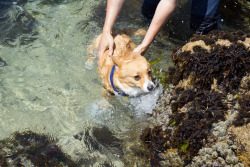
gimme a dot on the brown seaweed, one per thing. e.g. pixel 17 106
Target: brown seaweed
pixel 243 117
pixel 226 64
pixel 196 107
pixel 39 149
pixel 195 126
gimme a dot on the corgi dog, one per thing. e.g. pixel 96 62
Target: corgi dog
pixel 125 72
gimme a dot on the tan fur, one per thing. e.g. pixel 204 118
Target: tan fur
pixel 127 64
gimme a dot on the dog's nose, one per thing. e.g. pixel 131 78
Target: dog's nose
pixel 150 87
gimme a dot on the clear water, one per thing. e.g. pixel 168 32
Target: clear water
pixel 46 88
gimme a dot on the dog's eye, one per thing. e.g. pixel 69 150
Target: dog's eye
pixel 149 73
pixel 137 77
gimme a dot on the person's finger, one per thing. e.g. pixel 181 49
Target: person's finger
pixel 135 50
pixel 111 49
pixel 100 53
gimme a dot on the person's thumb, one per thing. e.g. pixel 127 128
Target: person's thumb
pixel 111 49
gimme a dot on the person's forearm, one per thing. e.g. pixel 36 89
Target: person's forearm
pixel 113 9
pixel 162 13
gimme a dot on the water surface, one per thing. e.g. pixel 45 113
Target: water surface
pixel 46 88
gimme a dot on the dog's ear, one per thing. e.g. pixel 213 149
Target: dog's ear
pixel 116 60
pixel 135 55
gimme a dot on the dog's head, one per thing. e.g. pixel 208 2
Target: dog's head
pixel 134 76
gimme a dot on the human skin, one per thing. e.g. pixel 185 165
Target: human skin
pixel 162 13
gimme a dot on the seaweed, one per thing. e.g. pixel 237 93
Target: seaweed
pixel 194 126
pixel 39 149
pixel 185 97
pixel 191 127
pixel 105 137
pixel 243 117
pixel 157 141
pixel 195 103
pixel 226 64
pixel 212 37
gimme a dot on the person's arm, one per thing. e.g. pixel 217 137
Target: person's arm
pixel 107 41
pixel 162 13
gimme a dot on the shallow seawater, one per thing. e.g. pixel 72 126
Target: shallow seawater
pixel 45 87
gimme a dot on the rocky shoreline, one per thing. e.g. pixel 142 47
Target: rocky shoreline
pixel 202 119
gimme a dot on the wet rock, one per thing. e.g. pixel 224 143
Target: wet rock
pixel 201 106
pixel 105 137
pixel 243 117
pixel 32 149
pixel 240 137
pixel 206 65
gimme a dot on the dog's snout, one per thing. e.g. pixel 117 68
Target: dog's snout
pixel 150 87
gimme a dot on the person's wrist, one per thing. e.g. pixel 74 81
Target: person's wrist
pixel 107 31
pixel 144 46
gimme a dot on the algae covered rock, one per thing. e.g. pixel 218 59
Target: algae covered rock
pixel 220 56
pixel 210 94
pixel 32 149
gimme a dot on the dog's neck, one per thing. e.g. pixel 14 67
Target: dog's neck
pixel 114 82
pixel 120 89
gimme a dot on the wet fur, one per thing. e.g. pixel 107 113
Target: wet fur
pixel 128 65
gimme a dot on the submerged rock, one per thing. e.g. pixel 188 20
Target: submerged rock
pixel 17 26
pixel 32 149
pixel 2 62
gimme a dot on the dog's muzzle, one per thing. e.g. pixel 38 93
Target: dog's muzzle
pixel 150 87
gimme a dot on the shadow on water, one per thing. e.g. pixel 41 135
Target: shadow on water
pixel 235 14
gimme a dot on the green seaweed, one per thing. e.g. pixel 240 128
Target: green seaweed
pixel 173 123
pixel 185 146
pixel 157 60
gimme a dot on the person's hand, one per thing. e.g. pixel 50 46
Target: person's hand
pixel 106 43
pixel 141 49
